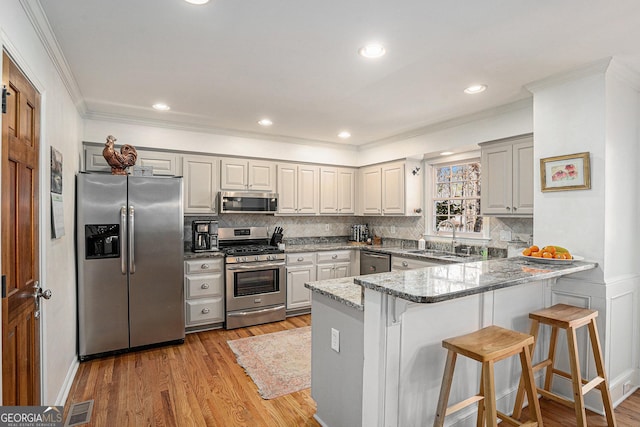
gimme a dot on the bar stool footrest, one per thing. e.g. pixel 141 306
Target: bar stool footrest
pixel 513 422
pixel 461 405
pixel 556 398
pixel 591 384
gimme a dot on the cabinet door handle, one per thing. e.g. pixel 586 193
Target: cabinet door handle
pixel 205 286
pixel 300 259
pixel 204 266
pixel 515 208
pixel 405 264
pixel 508 208
pixel 205 311
pixel 334 257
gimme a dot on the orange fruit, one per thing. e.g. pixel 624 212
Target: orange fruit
pixel 527 252
pixel 534 248
pixel 546 254
pixel 567 255
pixel 537 254
pixel 550 249
pixel 559 256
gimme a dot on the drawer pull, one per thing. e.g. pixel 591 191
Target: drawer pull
pixel 300 259
pixel 335 256
pixel 204 266
pixel 205 286
pixel 205 311
pixel 405 264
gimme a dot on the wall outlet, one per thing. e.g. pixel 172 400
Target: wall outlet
pixel 393 229
pixel 626 388
pixel 335 340
pixel 505 235
pixel 326 227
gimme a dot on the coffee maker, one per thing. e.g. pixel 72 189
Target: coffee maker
pixel 204 236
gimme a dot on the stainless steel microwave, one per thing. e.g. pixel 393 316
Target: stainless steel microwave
pixel 247 202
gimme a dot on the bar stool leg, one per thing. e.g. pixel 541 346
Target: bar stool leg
pixel 517 407
pixel 480 418
pixel 576 379
pixel 530 386
pixel 490 411
pixel 548 379
pixel 445 389
pixel 604 385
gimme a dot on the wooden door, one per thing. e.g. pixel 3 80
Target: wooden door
pixel 20 251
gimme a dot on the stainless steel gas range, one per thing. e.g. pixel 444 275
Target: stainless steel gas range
pixel 255 277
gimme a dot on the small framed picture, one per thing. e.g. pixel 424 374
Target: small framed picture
pixel 563 173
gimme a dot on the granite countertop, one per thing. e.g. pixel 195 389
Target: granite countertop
pixel 446 282
pixel 343 290
pixel 196 255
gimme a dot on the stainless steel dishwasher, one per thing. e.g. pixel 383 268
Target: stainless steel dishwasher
pixel 373 262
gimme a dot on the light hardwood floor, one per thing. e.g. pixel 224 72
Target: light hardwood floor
pixel 200 384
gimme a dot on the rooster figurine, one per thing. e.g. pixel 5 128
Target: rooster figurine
pixel 119 162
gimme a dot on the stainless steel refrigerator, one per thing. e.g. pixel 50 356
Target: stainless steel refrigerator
pixel 130 256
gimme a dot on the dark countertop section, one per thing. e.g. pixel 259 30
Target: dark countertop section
pixel 446 282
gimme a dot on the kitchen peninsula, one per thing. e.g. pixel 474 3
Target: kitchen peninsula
pixel 377 358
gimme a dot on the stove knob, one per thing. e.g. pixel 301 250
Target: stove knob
pixel 244 259
pixel 257 258
pixel 268 257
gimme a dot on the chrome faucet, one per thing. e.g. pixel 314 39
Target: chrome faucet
pixel 453 233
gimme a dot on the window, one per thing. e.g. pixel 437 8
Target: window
pixel 456 197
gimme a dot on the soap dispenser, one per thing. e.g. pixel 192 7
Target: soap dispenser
pixel 422 245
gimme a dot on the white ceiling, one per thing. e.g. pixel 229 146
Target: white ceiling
pixel 224 65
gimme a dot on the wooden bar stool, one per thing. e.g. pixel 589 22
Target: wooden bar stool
pixel 487 346
pixel 569 318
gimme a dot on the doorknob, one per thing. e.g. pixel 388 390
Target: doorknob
pixel 46 294
pixel 39 293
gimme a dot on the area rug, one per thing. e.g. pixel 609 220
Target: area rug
pixel 278 363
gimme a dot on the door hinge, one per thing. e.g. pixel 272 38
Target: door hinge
pixel 5 93
pixel 4 286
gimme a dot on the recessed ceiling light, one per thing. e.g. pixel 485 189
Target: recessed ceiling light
pixel 373 50
pixel 265 122
pixel 475 89
pixel 446 153
pixel 197 1
pixel 344 134
pixel 161 106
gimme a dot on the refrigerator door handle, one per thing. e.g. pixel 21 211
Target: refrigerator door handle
pixel 123 224
pixel 132 260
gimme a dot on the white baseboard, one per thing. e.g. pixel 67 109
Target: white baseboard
pixel 317 418
pixel 68 382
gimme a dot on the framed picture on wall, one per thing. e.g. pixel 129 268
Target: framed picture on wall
pixel 563 173
pixel 56 171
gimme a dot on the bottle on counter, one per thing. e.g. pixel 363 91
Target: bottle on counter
pixel 484 251
pixel 422 245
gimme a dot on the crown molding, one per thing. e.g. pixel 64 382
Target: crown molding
pixel 41 25
pixel 594 68
pixel 203 128
pixel 451 123
pixel 626 74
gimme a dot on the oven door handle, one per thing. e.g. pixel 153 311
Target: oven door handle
pixel 254 266
pixel 247 313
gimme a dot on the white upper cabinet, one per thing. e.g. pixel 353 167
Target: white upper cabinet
pixel 253 175
pixel 391 189
pixel 298 189
pixel 200 176
pixel 163 163
pixel 337 191
pixel 507 177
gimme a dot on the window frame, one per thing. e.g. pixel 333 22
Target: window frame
pixel 433 164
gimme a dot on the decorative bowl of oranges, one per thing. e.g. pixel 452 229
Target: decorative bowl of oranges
pixel 550 254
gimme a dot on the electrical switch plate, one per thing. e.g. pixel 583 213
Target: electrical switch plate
pixel 505 235
pixel 335 340
pixel 326 227
pixel 393 229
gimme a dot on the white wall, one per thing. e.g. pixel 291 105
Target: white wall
pixel 61 128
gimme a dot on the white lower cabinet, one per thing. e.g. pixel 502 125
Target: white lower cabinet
pixel 333 265
pixel 204 292
pixel 301 268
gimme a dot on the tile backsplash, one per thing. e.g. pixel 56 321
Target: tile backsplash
pixel 329 227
